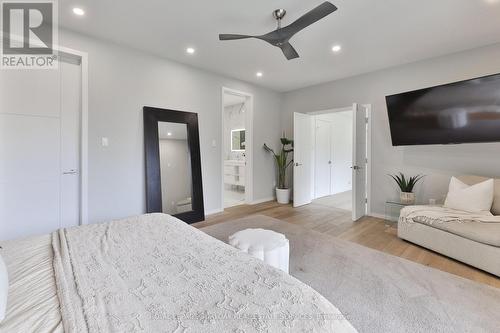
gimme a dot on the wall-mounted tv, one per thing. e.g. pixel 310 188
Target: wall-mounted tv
pixel 461 112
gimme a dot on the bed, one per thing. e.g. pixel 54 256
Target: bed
pixel 153 273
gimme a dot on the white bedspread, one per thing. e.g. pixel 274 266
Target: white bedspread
pixel 154 273
pixel 32 304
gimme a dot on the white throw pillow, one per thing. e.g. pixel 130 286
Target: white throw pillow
pixel 477 198
pixel 4 289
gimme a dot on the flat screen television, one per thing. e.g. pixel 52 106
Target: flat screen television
pixel 461 112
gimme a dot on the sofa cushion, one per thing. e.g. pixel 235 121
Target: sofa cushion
pixel 486 233
pixel 471 180
pixel 476 198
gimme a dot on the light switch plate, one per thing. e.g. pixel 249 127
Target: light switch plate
pixel 104 142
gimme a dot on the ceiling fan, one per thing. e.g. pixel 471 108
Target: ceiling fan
pixel 281 36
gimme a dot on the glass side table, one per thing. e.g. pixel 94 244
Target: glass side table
pixel 392 210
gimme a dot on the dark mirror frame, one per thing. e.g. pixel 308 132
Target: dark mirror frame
pixel 152 155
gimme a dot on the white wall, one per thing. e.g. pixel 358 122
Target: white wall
pixel 437 162
pixel 121 82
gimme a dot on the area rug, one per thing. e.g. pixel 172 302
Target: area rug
pixel 378 292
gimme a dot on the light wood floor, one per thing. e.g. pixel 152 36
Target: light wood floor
pixel 369 231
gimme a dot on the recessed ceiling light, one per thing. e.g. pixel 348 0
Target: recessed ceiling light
pixel 190 50
pixel 78 11
pixel 259 74
pixel 169 134
pixel 336 48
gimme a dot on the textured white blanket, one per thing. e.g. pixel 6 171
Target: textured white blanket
pixel 438 214
pixel 154 273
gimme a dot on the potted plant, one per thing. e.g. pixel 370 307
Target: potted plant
pixel 406 186
pixel 282 164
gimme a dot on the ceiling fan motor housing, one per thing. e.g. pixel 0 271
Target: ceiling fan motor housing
pixel 279 14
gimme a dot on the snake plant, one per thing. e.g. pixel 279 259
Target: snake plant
pixel 406 184
pixel 281 160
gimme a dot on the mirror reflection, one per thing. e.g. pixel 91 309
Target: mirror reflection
pixel 175 168
pixel 238 140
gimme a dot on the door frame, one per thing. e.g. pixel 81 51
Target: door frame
pixel 84 126
pixel 248 144
pixel 368 111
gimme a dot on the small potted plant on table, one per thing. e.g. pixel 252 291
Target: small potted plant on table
pixel 282 164
pixel 406 186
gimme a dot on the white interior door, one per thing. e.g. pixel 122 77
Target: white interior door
pixel 342 146
pixel 323 158
pixel 39 133
pixel 302 171
pixel 359 162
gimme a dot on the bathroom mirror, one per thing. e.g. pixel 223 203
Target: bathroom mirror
pixel 238 140
pixel 173 169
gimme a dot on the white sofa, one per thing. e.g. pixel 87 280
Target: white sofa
pixel 474 243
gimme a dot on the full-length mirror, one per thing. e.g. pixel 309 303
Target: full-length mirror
pixel 173 170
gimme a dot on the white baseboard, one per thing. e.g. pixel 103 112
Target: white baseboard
pixel 214 211
pixel 258 201
pixel 377 215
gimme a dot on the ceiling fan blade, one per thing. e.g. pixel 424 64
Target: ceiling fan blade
pixel 289 51
pixel 233 36
pixel 316 14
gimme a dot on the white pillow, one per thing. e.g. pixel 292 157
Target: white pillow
pixel 477 198
pixel 4 289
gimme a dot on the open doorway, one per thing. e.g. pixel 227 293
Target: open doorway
pixel 333 145
pixel 236 150
pixel 331 157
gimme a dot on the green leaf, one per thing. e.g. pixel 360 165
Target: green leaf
pixel 281 160
pixel 406 184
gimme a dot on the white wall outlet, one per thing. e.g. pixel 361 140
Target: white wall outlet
pixel 104 141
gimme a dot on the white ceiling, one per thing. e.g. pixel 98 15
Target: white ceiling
pixel 374 34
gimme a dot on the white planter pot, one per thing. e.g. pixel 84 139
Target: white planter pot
pixel 407 198
pixel 283 195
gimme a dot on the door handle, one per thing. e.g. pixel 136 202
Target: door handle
pixel 70 172
pixel 355 167
pixel 298 164
pixel 329 162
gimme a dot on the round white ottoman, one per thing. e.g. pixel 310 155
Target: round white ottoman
pixel 269 246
